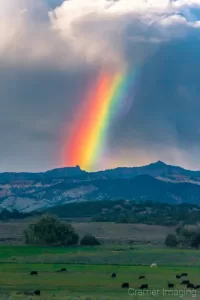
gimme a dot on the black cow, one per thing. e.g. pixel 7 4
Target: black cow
pixel 113 275
pixel 141 277
pixel 190 286
pixel 185 282
pixel 184 274
pixel 125 285
pixel 37 293
pixel 62 270
pixel 197 286
pixel 170 285
pixel 143 286
pixel 178 276
pixel 34 273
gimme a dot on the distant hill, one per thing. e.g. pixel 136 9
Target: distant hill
pixel 126 211
pixel 158 181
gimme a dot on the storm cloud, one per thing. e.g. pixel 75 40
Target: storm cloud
pixel 49 53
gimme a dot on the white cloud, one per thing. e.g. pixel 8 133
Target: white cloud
pixel 97 29
pixel 86 32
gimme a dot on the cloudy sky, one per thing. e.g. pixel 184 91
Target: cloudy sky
pixel 51 49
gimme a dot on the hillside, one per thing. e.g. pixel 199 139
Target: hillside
pixel 28 192
pixel 126 211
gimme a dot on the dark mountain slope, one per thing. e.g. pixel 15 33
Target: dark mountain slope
pixel 126 211
pixel 143 187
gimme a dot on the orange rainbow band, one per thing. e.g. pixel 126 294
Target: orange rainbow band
pixel 88 134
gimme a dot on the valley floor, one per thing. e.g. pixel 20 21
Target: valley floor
pixel 127 249
pixel 89 269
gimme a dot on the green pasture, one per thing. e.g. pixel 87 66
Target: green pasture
pixel 92 281
pixel 123 255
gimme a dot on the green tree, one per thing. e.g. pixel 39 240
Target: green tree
pixel 89 240
pixel 50 231
pixel 179 229
pixel 190 238
pixel 171 240
pixel 123 218
pixel 186 236
pixel 195 240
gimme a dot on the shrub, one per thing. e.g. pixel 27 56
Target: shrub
pixel 89 240
pixel 171 240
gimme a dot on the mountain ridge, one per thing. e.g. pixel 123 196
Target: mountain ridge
pixel 75 171
pixel 157 181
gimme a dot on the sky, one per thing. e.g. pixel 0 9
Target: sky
pixel 50 50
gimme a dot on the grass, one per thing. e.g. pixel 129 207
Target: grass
pixel 86 280
pixel 89 269
pixel 100 255
pixel 93 281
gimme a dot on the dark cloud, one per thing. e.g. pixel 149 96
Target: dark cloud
pixel 37 107
pixel 164 115
pixel 44 75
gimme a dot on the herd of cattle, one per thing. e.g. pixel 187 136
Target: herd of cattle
pixel 38 292
pixel 185 282
pixel 143 286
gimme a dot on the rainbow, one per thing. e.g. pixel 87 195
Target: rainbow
pixel 89 131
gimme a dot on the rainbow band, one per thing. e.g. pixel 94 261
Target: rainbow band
pixel 89 133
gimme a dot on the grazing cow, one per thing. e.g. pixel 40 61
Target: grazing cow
pixel 170 285
pixel 125 285
pixel 143 286
pixel 185 282
pixel 184 274
pixel 113 275
pixel 37 293
pixel 34 273
pixel 153 265
pixel 62 270
pixel 190 286
pixel 141 277
pixel 178 276
pixel 197 286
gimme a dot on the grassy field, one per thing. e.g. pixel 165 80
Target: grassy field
pixel 100 255
pixel 89 272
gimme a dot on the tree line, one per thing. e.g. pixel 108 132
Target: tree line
pixel 127 211
pixel 121 211
pixel 6 215
pixel 184 237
